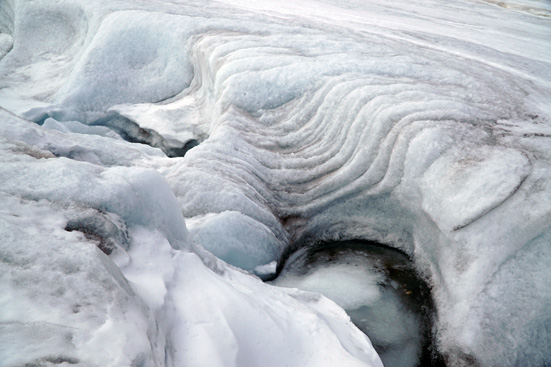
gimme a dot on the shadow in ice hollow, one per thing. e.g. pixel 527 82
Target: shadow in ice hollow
pixel 380 290
pixel 127 129
pixel 134 133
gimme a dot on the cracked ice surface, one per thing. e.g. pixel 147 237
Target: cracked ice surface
pixel 421 125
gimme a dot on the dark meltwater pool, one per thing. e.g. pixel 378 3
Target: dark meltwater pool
pixel 380 290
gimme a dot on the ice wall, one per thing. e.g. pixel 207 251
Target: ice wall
pixel 422 126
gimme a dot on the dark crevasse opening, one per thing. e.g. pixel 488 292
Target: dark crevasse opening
pixel 379 289
pixel 132 132
pixel 123 126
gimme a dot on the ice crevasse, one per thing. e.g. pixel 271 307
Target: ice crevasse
pixel 157 155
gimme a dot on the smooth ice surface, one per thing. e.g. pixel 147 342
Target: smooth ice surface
pixel 425 126
pixel 236 239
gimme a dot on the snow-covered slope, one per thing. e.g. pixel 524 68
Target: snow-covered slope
pixel 423 125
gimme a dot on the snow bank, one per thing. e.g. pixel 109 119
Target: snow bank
pixel 62 299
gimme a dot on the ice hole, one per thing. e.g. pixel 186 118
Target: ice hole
pixel 124 127
pixel 379 289
pixel 134 133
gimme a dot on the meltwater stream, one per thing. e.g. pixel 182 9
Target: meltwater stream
pixel 380 290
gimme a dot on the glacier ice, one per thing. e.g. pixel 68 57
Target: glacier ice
pixel 250 246
pixel 422 126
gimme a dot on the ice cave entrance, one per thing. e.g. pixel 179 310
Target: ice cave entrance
pixel 380 290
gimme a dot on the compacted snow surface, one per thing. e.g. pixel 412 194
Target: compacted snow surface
pixel 158 157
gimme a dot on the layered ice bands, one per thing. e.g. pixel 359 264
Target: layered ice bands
pixel 156 156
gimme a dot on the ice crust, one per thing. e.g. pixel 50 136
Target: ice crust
pixel 425 126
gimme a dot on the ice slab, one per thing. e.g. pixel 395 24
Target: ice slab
pixel 252 245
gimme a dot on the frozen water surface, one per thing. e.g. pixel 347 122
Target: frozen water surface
pixel 423 126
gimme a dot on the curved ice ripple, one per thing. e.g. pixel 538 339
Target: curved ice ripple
pixel 422 127
pixel 314 129
pixel 335 136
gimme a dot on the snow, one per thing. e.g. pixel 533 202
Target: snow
pixel 77 127
pixel 233 320
pixel 339 282
pixel 60 294
pixel 422 125
pixel 266 270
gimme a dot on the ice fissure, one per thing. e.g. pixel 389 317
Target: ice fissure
pixel 314 124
